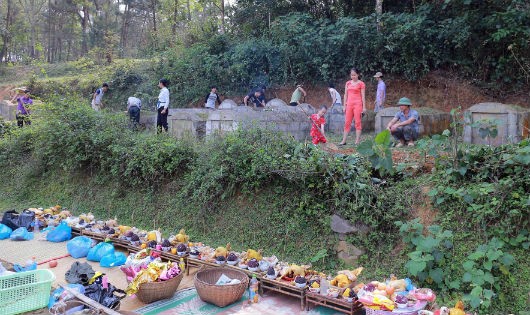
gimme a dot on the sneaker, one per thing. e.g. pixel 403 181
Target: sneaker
pixel 411 144
pixel 399 145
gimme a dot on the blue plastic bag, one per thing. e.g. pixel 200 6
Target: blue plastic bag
pixel 60 234
pixel 97 252
pixel 21 234
pixel 113 260
pixel 79 246
pixel 58 294
pixel 5 231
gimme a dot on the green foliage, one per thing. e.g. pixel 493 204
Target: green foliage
pixel 431 259
pixel 481 275
pixel 483 270
pixel 489 187
pixel 378 152
pixel 6 127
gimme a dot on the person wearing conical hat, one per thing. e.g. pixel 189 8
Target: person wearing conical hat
pixel 404 126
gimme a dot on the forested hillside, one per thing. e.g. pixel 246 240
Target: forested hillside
pixel 450 215
pixel 241 44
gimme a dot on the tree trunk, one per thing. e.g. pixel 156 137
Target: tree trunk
pixel 125 29
pixel 189 9
pixel 84 27
pixel 222 8
pixel 49 50
pixel 378 12
pixel 175 18
pixel 7 35
pixel 153 9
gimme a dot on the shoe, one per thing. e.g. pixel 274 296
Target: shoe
pixel 411 144
pixel 399 145
pixel 341 144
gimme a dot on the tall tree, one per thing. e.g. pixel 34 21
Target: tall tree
pixel 378 12
pixel 6 33
pixel 174 23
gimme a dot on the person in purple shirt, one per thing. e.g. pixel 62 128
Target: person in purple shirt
pixel 23 110
pixel 380 95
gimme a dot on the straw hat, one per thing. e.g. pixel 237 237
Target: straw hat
pixel 404 101
pixel 378 75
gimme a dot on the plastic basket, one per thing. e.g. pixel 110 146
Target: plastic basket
pixel 25 291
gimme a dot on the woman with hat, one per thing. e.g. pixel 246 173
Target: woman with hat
pixel 355 106
pixel 23 103
pixel 380 95
pixel 404 126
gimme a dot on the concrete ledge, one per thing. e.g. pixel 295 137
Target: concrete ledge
pixel 8 110
pixel 431 122
pixel 512 123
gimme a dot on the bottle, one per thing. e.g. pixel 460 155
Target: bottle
pixel 324 285
pixel 253 290
pixel 182 265
pixel 36 226
pixel 2 269
pixel 31 264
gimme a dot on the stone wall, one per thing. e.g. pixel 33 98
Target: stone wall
pixel 335 121
pixel 431 122
pixel 276 115
pixel 188 122
pixel 512 123
pixel 8 110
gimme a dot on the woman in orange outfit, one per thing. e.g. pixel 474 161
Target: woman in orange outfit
pixel 355 105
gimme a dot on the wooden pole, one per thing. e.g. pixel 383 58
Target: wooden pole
pixel 93 304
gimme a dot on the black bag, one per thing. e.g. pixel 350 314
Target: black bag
pixel 105 297
pixel 26 219
pixel 79 273
pixel 10 218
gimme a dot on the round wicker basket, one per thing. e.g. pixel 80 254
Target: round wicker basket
pixel 154 291
pixel 220 295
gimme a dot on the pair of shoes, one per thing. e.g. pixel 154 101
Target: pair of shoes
pixel 399 145
pixel 411 144
pixel 342 143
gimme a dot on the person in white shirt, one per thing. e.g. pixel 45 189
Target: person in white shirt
pixel 336 100
pixel 134 105
pixel 162 106
pixel 97 97
pixel 211 98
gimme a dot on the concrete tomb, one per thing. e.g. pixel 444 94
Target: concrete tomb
pixel 431 122
pixel 512 123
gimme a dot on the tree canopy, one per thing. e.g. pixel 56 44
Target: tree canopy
pixel 486 40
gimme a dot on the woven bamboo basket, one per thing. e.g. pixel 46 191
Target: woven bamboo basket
pixel 154 291
pixel 220 295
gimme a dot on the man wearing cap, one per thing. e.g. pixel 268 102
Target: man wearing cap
pixel 297 95
pixel 404 126
pixel 97 104
pixel 380 95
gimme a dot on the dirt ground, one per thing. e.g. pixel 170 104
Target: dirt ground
pixel 438 90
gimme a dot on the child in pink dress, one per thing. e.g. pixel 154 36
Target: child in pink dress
pixel 317 128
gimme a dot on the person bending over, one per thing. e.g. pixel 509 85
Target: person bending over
pixel 297 95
